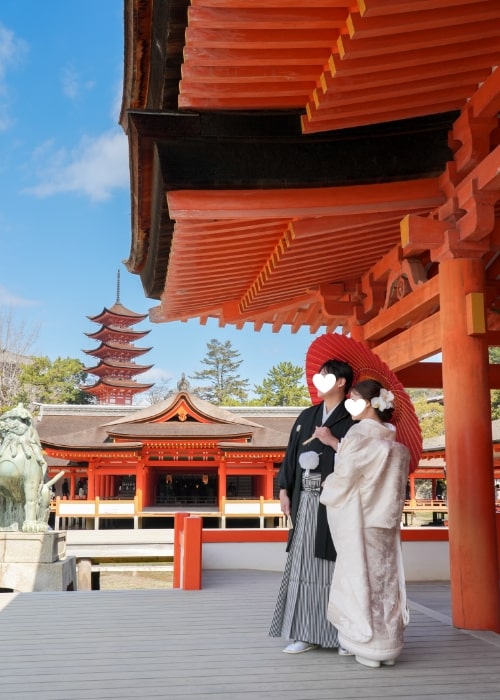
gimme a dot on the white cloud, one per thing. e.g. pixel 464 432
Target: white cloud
pixel 71 83
pixel 7 298
pixel 12 50
pixel 94 169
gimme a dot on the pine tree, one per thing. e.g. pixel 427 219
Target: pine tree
pixel 283 386
pixel 223 384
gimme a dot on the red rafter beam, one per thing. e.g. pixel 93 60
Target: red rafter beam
pixel 186 205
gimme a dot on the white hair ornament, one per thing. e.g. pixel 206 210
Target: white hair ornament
pixel 384 400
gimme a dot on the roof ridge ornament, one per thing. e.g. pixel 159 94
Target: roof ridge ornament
pixel 183 384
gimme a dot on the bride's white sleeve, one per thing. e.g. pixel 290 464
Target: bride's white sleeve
pixel 339 483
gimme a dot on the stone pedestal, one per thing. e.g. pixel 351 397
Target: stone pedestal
pixel 32 561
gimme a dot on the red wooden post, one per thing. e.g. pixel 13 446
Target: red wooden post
pixel 469 459
pixel 222 481
pixel 140 482
pixel 178 538
pixel 498 537
pixel 191 554
pixel 91 476
pixel 269 482
pixel 413 491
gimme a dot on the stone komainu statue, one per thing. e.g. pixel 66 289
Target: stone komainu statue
pixel 24 489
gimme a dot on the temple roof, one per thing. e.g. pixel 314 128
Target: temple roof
pixel 90 427
pixel 107 366
pixel 181 405
pixel 103 385
pixel 112 349
pixel 117 315
pixel 292 139
pixel 117 333
pixel 188 431
pixel 172 419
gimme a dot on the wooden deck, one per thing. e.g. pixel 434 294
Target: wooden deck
pixel 213 643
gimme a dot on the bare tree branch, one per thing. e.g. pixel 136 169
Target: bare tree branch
pixel 16 340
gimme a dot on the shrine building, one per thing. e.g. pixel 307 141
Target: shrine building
pixel 185 453
pixel 180 453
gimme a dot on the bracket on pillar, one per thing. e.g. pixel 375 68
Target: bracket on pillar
pixel 374 294
pixel 333 304
pixel 453 247
pixel 449 179
pixel 419 234
pixel 440 238
pixel 479 218
pixel 473 134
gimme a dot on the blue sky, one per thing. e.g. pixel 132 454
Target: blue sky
pixel 65 203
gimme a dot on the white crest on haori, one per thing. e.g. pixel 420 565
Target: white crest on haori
pixel 309 460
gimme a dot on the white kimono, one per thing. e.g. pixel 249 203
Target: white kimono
pixel 365 499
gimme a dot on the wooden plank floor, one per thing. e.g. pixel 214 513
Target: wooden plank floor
pixel 213 643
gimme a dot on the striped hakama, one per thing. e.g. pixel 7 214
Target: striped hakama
pixel 302 603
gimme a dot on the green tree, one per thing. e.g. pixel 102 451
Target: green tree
pixel 58 381
pixel 494 354
pixel 283 386
pixel 430 413
pixel 223 384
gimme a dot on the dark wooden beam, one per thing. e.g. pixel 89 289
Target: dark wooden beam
pixel 267 150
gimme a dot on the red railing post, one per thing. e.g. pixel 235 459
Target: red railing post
pixel 178 542
pixel 192 552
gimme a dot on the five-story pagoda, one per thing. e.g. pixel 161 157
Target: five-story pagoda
pixel 116 353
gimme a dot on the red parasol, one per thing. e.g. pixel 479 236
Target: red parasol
pixel 367 365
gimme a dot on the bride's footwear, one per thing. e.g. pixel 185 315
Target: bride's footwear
pixel 374 664
pixel 367 662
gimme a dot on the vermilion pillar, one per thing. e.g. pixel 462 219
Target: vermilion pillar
pixel 143 495
pixel 222 481
pixel 269 482
pixel 91 477
pixel 413 492
pixel 469 459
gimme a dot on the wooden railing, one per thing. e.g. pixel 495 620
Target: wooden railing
pixel 251 508
pixel 80 510
pixel 424 550
pixel 425 505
